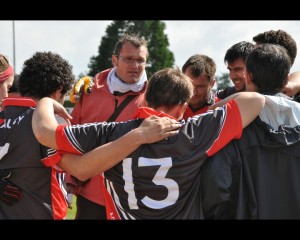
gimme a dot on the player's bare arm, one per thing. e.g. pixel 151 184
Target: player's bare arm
pixel 44 125
pixel 96 161
pixel 250 105
pixel 293 84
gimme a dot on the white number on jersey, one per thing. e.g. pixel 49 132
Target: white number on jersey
pixel 159 179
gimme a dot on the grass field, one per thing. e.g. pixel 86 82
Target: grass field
pixel 71 212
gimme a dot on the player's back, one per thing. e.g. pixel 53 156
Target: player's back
pixel 22 155
pixel 162 180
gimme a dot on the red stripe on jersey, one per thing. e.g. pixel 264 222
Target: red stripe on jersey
pixel 63 142
pixel 52 160
pixel 189 113
pixel 232 128
pixel 217 99
pixel 144 112
pixel 111 210
pixel 59 204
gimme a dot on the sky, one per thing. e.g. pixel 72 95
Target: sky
pixel 78 41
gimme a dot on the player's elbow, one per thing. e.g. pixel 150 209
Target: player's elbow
pixel 259 102
pixel 85 174
pixel 82 175
pixel 250 107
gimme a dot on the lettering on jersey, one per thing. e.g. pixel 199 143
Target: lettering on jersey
pixel 8 123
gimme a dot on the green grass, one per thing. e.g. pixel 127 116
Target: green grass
pixel 72 212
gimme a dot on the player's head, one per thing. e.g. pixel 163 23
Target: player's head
pixel 46 74
pixel 235 60
pixel 278 37
pixel 201 69
pixel 268 67
pixel 130 57
pixel 169 88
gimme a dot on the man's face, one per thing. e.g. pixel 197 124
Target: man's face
pixel 202 89
pixel 130 63
pixel 237 73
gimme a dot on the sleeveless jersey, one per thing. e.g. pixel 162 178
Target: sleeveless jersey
pixel 26 158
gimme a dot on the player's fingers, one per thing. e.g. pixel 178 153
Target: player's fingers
pixel 167 121
pixel 171 133
pixel 174 126
pixel 61 111
pixel 64 114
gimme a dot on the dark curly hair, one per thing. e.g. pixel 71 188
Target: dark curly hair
pixel 281 38
pixel 43 74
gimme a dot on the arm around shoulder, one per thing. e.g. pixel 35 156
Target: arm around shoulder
pixel 104 157
pixel 44 123
pixel 250 105
pixel 293 85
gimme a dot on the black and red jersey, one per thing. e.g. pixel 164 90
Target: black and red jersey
pixel 160 180
pixel 190 111
pixel 25 157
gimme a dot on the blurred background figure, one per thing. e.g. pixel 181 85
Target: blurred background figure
pixel 6 77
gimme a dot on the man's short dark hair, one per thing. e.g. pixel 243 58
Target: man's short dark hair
pixel 269 66
pixel 237 51
pixel 281 38
pixel 200 65
pixel 168 87
pixel 134 39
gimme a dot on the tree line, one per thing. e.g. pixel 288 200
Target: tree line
pixel 158 46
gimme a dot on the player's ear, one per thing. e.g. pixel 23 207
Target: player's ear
pixel 248 77
pixel 181 110
pixel 287 79
pixel 213 83
pixel 57 95
pixel 114 60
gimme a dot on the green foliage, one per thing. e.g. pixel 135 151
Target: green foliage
pixel 68 104
pixel 72 212
pixel 153 31
pixel 223 81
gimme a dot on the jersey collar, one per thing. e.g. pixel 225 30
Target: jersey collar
pixel 18 101
pixel 144 112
